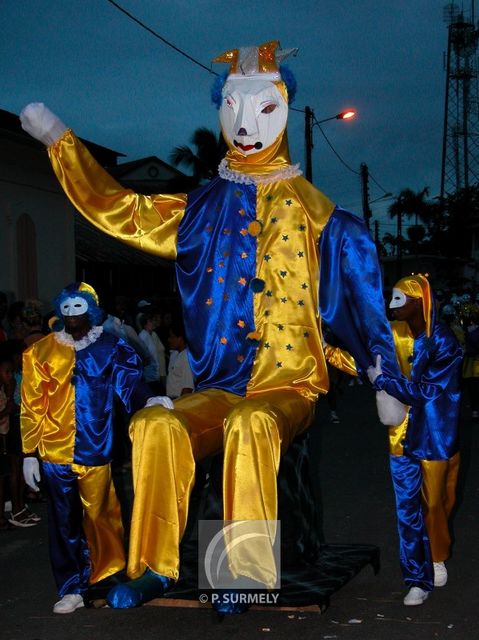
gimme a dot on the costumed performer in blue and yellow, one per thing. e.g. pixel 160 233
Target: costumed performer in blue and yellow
pixel 249 248
pixel 69 379
pixel 424 449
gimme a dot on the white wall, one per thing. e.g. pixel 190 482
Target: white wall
pixel 28 186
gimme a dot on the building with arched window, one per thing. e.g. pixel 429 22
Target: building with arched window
pixel 45 244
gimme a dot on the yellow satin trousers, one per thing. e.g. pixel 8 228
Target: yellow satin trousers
pixel 101 520
pixel 439 480
pixel 253 432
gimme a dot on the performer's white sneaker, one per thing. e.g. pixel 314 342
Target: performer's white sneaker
pixel 415 596
pixel 440 574
pixel 69 603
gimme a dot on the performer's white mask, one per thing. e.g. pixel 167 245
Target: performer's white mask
pixel 75 306
pixel 398 299
pixel 253 114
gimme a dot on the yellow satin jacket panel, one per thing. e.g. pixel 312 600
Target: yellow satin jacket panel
pixel 292 215
pixel 404 345
pixel 48 401
pixel 148 223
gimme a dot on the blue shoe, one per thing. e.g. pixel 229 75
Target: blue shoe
pixel 230 601
pixel 136 592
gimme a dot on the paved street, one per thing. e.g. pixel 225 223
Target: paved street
pixel 350 465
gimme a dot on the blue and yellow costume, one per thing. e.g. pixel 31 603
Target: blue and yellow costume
pixel 424 457
pixel 67 403
pixel 249 248
pixel 424 450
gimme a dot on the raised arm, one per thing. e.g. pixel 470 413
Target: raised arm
pixel 148 223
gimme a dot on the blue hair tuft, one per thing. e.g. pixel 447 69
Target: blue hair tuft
pixel 290 82
pixel 217 89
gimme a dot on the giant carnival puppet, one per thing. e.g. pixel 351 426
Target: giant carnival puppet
pixel 260 255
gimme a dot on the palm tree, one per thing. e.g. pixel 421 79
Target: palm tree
pixel 389 240
pixel 210 149
pixel 410 203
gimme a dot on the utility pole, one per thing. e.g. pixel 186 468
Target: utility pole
pixel 399 246
pixel 364 172
pixel 376 234
pixel 308 143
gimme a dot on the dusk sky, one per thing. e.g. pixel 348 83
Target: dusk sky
pixel 116 84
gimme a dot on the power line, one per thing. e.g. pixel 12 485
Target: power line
pixel 377 184
pixel 334 150
pixel 164 40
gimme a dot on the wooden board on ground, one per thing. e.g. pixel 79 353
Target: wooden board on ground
pixel 196 604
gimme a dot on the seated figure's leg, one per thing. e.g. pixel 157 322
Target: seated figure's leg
pixel 257 431
pixel 165 445
pixel 101 521
pixel 163 475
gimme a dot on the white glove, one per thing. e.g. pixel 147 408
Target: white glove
pixel 374 372
pixel 163 401
pixel 41 123
pixel 31 472
pixel 391 411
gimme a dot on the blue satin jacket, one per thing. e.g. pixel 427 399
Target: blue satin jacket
pixel 433 394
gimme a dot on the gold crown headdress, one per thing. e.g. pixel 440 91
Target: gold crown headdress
pixel 263 60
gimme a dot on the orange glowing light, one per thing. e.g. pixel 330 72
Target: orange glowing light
pixel 346 115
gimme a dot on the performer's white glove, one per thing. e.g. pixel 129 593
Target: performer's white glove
pixel 374 372
pixel 31 472
pixel 41 123
pixel 391 411
pixel 163 401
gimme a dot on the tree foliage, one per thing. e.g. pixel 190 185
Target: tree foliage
pixel 440 228
pixel 204 161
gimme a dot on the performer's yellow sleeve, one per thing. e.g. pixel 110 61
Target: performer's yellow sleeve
pixel 34 402
pixel 148 223
pixel 340 359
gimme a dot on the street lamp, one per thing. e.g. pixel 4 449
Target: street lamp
pixel 344 115
pixel 383 197
pixel 309 122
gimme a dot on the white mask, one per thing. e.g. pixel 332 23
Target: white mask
pixel 253 114
pixel 398 299
pixel 74 306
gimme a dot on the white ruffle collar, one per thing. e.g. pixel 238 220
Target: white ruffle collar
pixel 65 338
pixel 285 173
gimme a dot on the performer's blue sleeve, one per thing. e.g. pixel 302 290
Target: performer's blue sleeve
pixel 440 376
pixel 127 378
pixel 351 298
